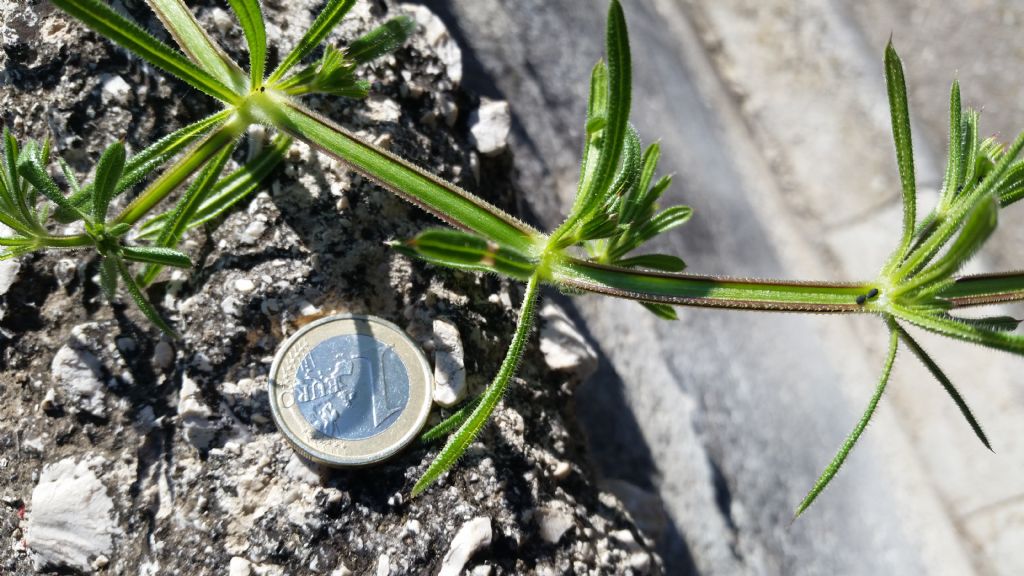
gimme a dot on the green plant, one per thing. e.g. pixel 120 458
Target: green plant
pixel 615 212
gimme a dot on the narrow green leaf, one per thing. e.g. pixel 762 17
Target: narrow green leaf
pixel 1011 189
pixel 969 145
pixel 38 177
pixel 449 424
pixel 631 202
pixel 664 221
pixel 224 137
pixel 837 462
pixel 996 323
pixel 108 278
pixel 955 162
pixel 381 40
pixel 156 255
pixel 196 43
pixel 629 172
pixel 663 262
pixel 108 172
pixel 186 207
pixel 904 148
pixel 328 18
pixel 469 252
pixel 144 163
pixel 250 16
pixel 956 328
pixel 148 310
pixel 947 384
pixel 618 105
pixel 597 120
pixel 980 224
pixel 663 311
pixel 461 440
pixel 231 189
pixel 598 227
pixel 103 19
pixel 921 255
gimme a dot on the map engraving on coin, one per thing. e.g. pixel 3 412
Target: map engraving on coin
pixel 350 390
pixel 351 387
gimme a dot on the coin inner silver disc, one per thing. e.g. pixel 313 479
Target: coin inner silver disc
pixel 351 387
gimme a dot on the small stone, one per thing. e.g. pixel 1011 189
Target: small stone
pixel 640 561
pixel 253 232
pixel 231 306
pixel 239 567
pixel 195 415
pixel 646 508
pixel 625 539
pixel 474 536
pixel 100 562
pixel 437 35
pixel 8 274
pixel 78 373
pixel 72 517
pixel 490 125
pixel 563 346
pixel 222 20
pixel 64 271
pixel 49 401
pixel 163 355
pixel 553 523
pixel 383 565
pixel 244 285
pixel 482 570
pixel 115 90
pixel 382 109
pixel 561 470
pixel 342 570
pixel 449 364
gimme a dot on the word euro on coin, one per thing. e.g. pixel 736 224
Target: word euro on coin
pixel 350 390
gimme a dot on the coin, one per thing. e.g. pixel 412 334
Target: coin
pixel 350 390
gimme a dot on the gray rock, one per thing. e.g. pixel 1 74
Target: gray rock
pixel 8 274
pixel 78 372
pixel 115 90
pixel 490 125
pixel 195 415
pixel 72 522
pixel 471 538
pixel 563 345
pixel 553 522
pixel 439 38
pixel 449 364
pixel 239 567
pixel 163 355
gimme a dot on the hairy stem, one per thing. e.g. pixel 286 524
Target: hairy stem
pixel 181 170
pixel 471 427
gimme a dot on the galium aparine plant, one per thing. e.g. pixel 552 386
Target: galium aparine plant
pixel 598 248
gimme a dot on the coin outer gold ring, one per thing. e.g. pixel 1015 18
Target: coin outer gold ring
pixel 337 452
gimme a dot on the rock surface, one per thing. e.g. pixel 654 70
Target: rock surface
pixel 471 538
pixel 72 523
pixel 449 364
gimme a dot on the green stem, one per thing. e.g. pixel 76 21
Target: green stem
pixel 468 431
pixel 711 291
pixel 181 170
pixel 983 289
pixel 443 199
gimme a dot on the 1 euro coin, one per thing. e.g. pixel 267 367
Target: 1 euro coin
pixel 350 390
